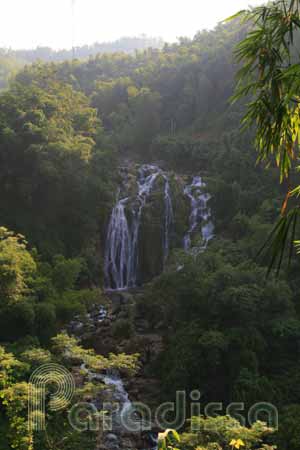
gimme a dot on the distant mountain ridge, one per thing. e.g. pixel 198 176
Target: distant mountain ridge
pixel 124 44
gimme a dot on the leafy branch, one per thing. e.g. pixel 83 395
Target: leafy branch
pixel 269 81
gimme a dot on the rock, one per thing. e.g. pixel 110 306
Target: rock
pixel 111 446
pixel 123 314
pixel 111 437
pixel 127 443
pixel 127 298
pixel 159 326
pixel 116 300
pixel 111 442
pixel 106 323
pixel 152 235
pixel 142 325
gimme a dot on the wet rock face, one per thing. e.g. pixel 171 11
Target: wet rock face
pixel 151 255
pixel 181 210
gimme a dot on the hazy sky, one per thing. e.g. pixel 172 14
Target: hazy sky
pixel 29 23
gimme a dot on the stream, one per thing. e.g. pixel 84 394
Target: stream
pixel 125 411
pixel 200 217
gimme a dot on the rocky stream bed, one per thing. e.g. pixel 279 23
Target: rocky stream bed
pixel 98 330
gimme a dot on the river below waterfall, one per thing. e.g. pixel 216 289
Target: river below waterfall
pixel 123 407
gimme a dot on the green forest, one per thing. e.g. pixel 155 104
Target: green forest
pixel 78 138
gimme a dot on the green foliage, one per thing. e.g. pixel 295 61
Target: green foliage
pixel 8 68
pixel 225 433
pixel 123 329
pixel 269 76
pixel 36 356
pixel 167 439
pixel 45 321
pixel 58 167
pixel 288 435
pixel 217 433
pixel 14 399
pixel 9 367
pixel 69 352
pixel 226 328
pixel 16 266
pixel 14 392
pixel 65 272
pixel 37 298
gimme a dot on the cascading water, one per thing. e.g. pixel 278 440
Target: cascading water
pixel 121 255
pixel 124 412
pixel 112 378
pixel 119 249
pixel 121 406
pixel 169 217
pixel 200 216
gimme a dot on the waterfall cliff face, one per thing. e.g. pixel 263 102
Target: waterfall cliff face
pixel 141 226
pixel 122 253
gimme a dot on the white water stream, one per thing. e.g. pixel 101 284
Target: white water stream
pixel 200 217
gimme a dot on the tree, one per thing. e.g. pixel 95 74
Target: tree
pixel 16 266
pixel 217 433
pixel 69 352
pixel 14 393
pixel 270 77
pixel 8 66
pixel 50 164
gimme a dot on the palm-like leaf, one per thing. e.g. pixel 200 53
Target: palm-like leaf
pixel 281 240
pixel 272 81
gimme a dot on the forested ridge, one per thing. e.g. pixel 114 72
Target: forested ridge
pixel 125 44
pixel 11 60
pixel 66 128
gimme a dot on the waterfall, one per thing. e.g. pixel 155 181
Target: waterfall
pixel 121 254
pixel 200 216
pixel 169 217
pixel 119 249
